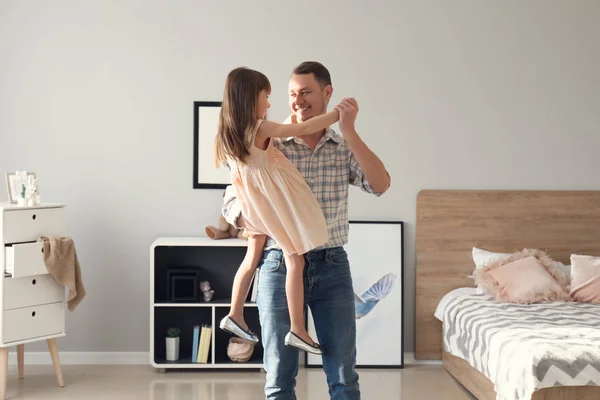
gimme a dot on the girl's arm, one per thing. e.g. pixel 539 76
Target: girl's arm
pixel 270 129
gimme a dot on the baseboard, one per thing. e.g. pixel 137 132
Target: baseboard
pixel 128 358
pixel 83 358
pixel 409 358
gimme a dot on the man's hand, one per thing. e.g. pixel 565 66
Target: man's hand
pixel 372 167
pixel 348 108
pixel 241 222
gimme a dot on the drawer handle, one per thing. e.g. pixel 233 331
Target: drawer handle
pixel 34 217
pixel 42 249
pixel 33 314
pixel 33 282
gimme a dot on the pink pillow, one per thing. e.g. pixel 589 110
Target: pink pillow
pixel 525 277
pixel 585 279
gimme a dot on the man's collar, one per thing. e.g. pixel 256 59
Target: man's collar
pixel 330 134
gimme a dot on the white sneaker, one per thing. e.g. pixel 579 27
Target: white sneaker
pixel 292 340
pixel 229 325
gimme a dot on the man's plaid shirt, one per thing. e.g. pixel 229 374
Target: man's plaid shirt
pixel 328 170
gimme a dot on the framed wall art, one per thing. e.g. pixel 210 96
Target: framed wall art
pixel 376 255
pixel 206 121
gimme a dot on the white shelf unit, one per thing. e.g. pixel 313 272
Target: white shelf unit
pixel 215 261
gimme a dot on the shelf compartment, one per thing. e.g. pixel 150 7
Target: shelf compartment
pixel 183 318
pixel 215 264
pixel 222 339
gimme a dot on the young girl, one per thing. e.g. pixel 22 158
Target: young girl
pixel 276 200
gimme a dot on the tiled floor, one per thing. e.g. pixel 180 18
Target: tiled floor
pixel 143 382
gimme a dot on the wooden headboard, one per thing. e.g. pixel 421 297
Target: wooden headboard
pixel 450 223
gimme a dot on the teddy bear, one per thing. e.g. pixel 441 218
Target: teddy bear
pixel 224 231
pixel 207 292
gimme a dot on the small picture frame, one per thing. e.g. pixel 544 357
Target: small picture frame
pixel 15 184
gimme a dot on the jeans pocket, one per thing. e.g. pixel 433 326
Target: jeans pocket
pixel 271 261
pixel 337 256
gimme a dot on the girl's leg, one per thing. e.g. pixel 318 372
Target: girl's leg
pixel 243 278
pixel 294 288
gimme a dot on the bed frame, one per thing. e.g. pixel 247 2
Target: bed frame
pixel 451 222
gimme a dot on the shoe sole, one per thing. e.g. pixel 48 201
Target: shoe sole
pixel 303 349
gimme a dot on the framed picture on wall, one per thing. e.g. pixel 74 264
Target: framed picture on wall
pixel 206 121
pixel 376 255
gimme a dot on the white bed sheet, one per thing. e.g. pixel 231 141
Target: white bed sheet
pixel 465 291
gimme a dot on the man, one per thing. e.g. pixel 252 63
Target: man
pixel 330 163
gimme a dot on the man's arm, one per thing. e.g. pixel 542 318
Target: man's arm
pixel 369 164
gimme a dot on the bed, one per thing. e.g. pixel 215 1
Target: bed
pixel 449 224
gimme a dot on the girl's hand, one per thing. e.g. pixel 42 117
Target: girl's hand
pixel 348 109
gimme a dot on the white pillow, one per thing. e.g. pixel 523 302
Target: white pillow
pixel 483 257
pixel 564 268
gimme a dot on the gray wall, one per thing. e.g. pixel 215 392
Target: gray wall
pixel 96 97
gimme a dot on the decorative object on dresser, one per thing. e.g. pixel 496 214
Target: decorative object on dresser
pixel 201 346
pixel 206 121
pixel 376 257
pixel 32 303
pixel 32 193
pixel 22 188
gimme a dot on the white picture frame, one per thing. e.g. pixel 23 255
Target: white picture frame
pixel 376 256
pixel 206 122
pixel 14 183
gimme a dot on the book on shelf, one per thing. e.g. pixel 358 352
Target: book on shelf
pixel 195 343
pixel 204 345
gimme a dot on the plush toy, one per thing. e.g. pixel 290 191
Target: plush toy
pixel 207 292
pixel 239 350
pixel 32 194
pixel 224 231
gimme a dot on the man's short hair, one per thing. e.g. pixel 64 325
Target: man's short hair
pixel 317 69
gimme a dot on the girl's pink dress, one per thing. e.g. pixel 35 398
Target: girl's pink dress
pixel 277 201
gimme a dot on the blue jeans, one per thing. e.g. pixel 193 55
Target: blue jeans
pixel 329 294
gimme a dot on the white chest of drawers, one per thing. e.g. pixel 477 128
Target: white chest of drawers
pixel 32 303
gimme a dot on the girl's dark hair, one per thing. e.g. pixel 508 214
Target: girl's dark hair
pixel 237 119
